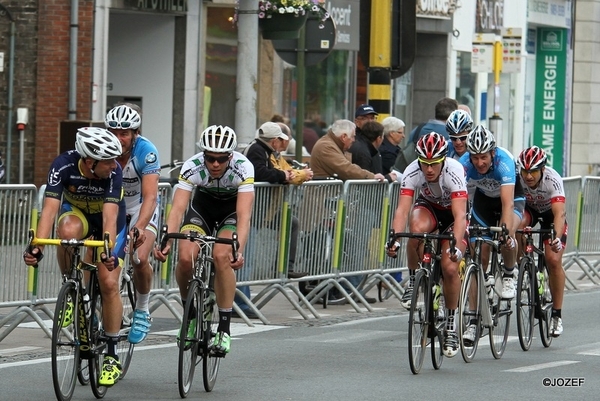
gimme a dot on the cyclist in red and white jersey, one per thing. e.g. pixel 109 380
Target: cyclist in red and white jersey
pixel 545 203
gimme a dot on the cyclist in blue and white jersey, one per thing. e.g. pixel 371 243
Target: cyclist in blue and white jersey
pixel 458 126
pixel 492 171
pixel 89 182
pixel 141 172
pixel 222 183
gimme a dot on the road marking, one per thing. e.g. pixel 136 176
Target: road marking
pixel 18 350
pixel 348 336
pixel 541 366
pixel 237 329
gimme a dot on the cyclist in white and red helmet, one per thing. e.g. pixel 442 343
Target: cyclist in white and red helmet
pixel 545 204
pixel 441 206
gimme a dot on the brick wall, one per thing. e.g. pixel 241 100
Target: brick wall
pixel 52 99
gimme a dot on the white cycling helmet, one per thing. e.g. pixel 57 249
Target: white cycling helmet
pixel 122 117
pixel 480 140
pixel 458 122
pixel 97 143
pixel 218 139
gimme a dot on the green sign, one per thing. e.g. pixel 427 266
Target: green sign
pixel 550 75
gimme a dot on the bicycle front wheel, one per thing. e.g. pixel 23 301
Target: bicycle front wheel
pixel 525 303
pixel 418 329
pixel 545 304
pixel 124 347
pixel 469 316
pixel 189 339
pixel 210 361
pixel 98 344
pixel 500 310
pixel 65 343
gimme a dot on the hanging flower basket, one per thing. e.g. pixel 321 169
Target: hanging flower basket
pixel 282 26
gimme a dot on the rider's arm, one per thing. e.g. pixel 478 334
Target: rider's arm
pixel 49 212
pixel 244 204
pixel 507 197
pixel 181 199
pixel 110 213
pixel 560 215
pixel 459 207
pixel 401 214
pixel 149 199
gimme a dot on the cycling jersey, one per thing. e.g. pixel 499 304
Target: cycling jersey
pixel 239 177
pixel 502 172
pixel 142 161
pixel 450 184
pixel 549 190
pixel 65 179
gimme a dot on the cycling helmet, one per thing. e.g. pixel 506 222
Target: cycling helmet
pixel 480 140
pixel 122 117
pixel 532 158
pixel 97 143
pixel 431 146
pixel 217 138
pixel 459 121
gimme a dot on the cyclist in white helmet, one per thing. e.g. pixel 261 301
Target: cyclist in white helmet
pixel 141 172
pixel 89 182
pixel 221 181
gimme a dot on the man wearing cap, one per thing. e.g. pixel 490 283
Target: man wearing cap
pixel 270 138
pixel 364 113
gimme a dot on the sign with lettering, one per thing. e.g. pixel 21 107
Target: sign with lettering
pixel 551 72
pixel 482 55
pixel 168 6
pixel 512 39
pixel 436 8
pixel 489 16
pixel 556 13
pixel 345 15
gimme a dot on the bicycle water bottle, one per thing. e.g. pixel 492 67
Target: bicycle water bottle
pixel 540 279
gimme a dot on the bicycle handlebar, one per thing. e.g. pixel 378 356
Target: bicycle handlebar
pixel 34 241
pixel 195 236
pixel 132 248
pixel 450 237
pixel 530 231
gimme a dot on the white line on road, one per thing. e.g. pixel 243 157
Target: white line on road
pixel 17 350
pixel 541 366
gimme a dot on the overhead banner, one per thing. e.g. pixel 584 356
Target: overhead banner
pixel 550 80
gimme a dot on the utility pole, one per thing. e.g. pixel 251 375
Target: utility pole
pixel 380 63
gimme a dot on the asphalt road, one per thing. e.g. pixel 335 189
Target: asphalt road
pixel 345 356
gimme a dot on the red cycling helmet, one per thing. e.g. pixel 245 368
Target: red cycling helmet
pixel 431 146
pixel 532 158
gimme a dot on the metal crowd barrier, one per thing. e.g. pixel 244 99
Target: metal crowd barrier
pixel 342 229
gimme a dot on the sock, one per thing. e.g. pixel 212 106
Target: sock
pixel 450 320
pixel 142 301
pixel 111 344
pixel 556 313
pixel 509 272
pixel 225 320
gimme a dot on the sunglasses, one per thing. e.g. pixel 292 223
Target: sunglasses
pixel 458 138
pixel 218 159
pixel 530 172
pixel 119 125
pixel 429 162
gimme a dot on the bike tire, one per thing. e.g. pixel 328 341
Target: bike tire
pixel 500 310
pixel 418 322
pixel 124 347
pixel 210 361
pixel 65 344
pixel 437 352
pixel 188 343
pixel 469 311
pixel 98 344
pixel 83 373
pixel 545 316
pixel 525 303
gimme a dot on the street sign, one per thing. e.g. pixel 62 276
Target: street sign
pixel 482 56
pixel 512 44
pixel 318 43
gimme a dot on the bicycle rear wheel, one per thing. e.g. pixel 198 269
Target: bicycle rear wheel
pixel 189 339
pixel 83 373
pixel 418 322
pixel 500 310
pixel 545 317
pixel 525 303
pixel 124 347
pixel 97 343
pixel 469 313
pixel 65 343
pixel 436 334
pixel 210 361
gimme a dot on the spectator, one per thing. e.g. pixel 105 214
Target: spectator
pixel 330 158
pixel 365 150
pixel 393 134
